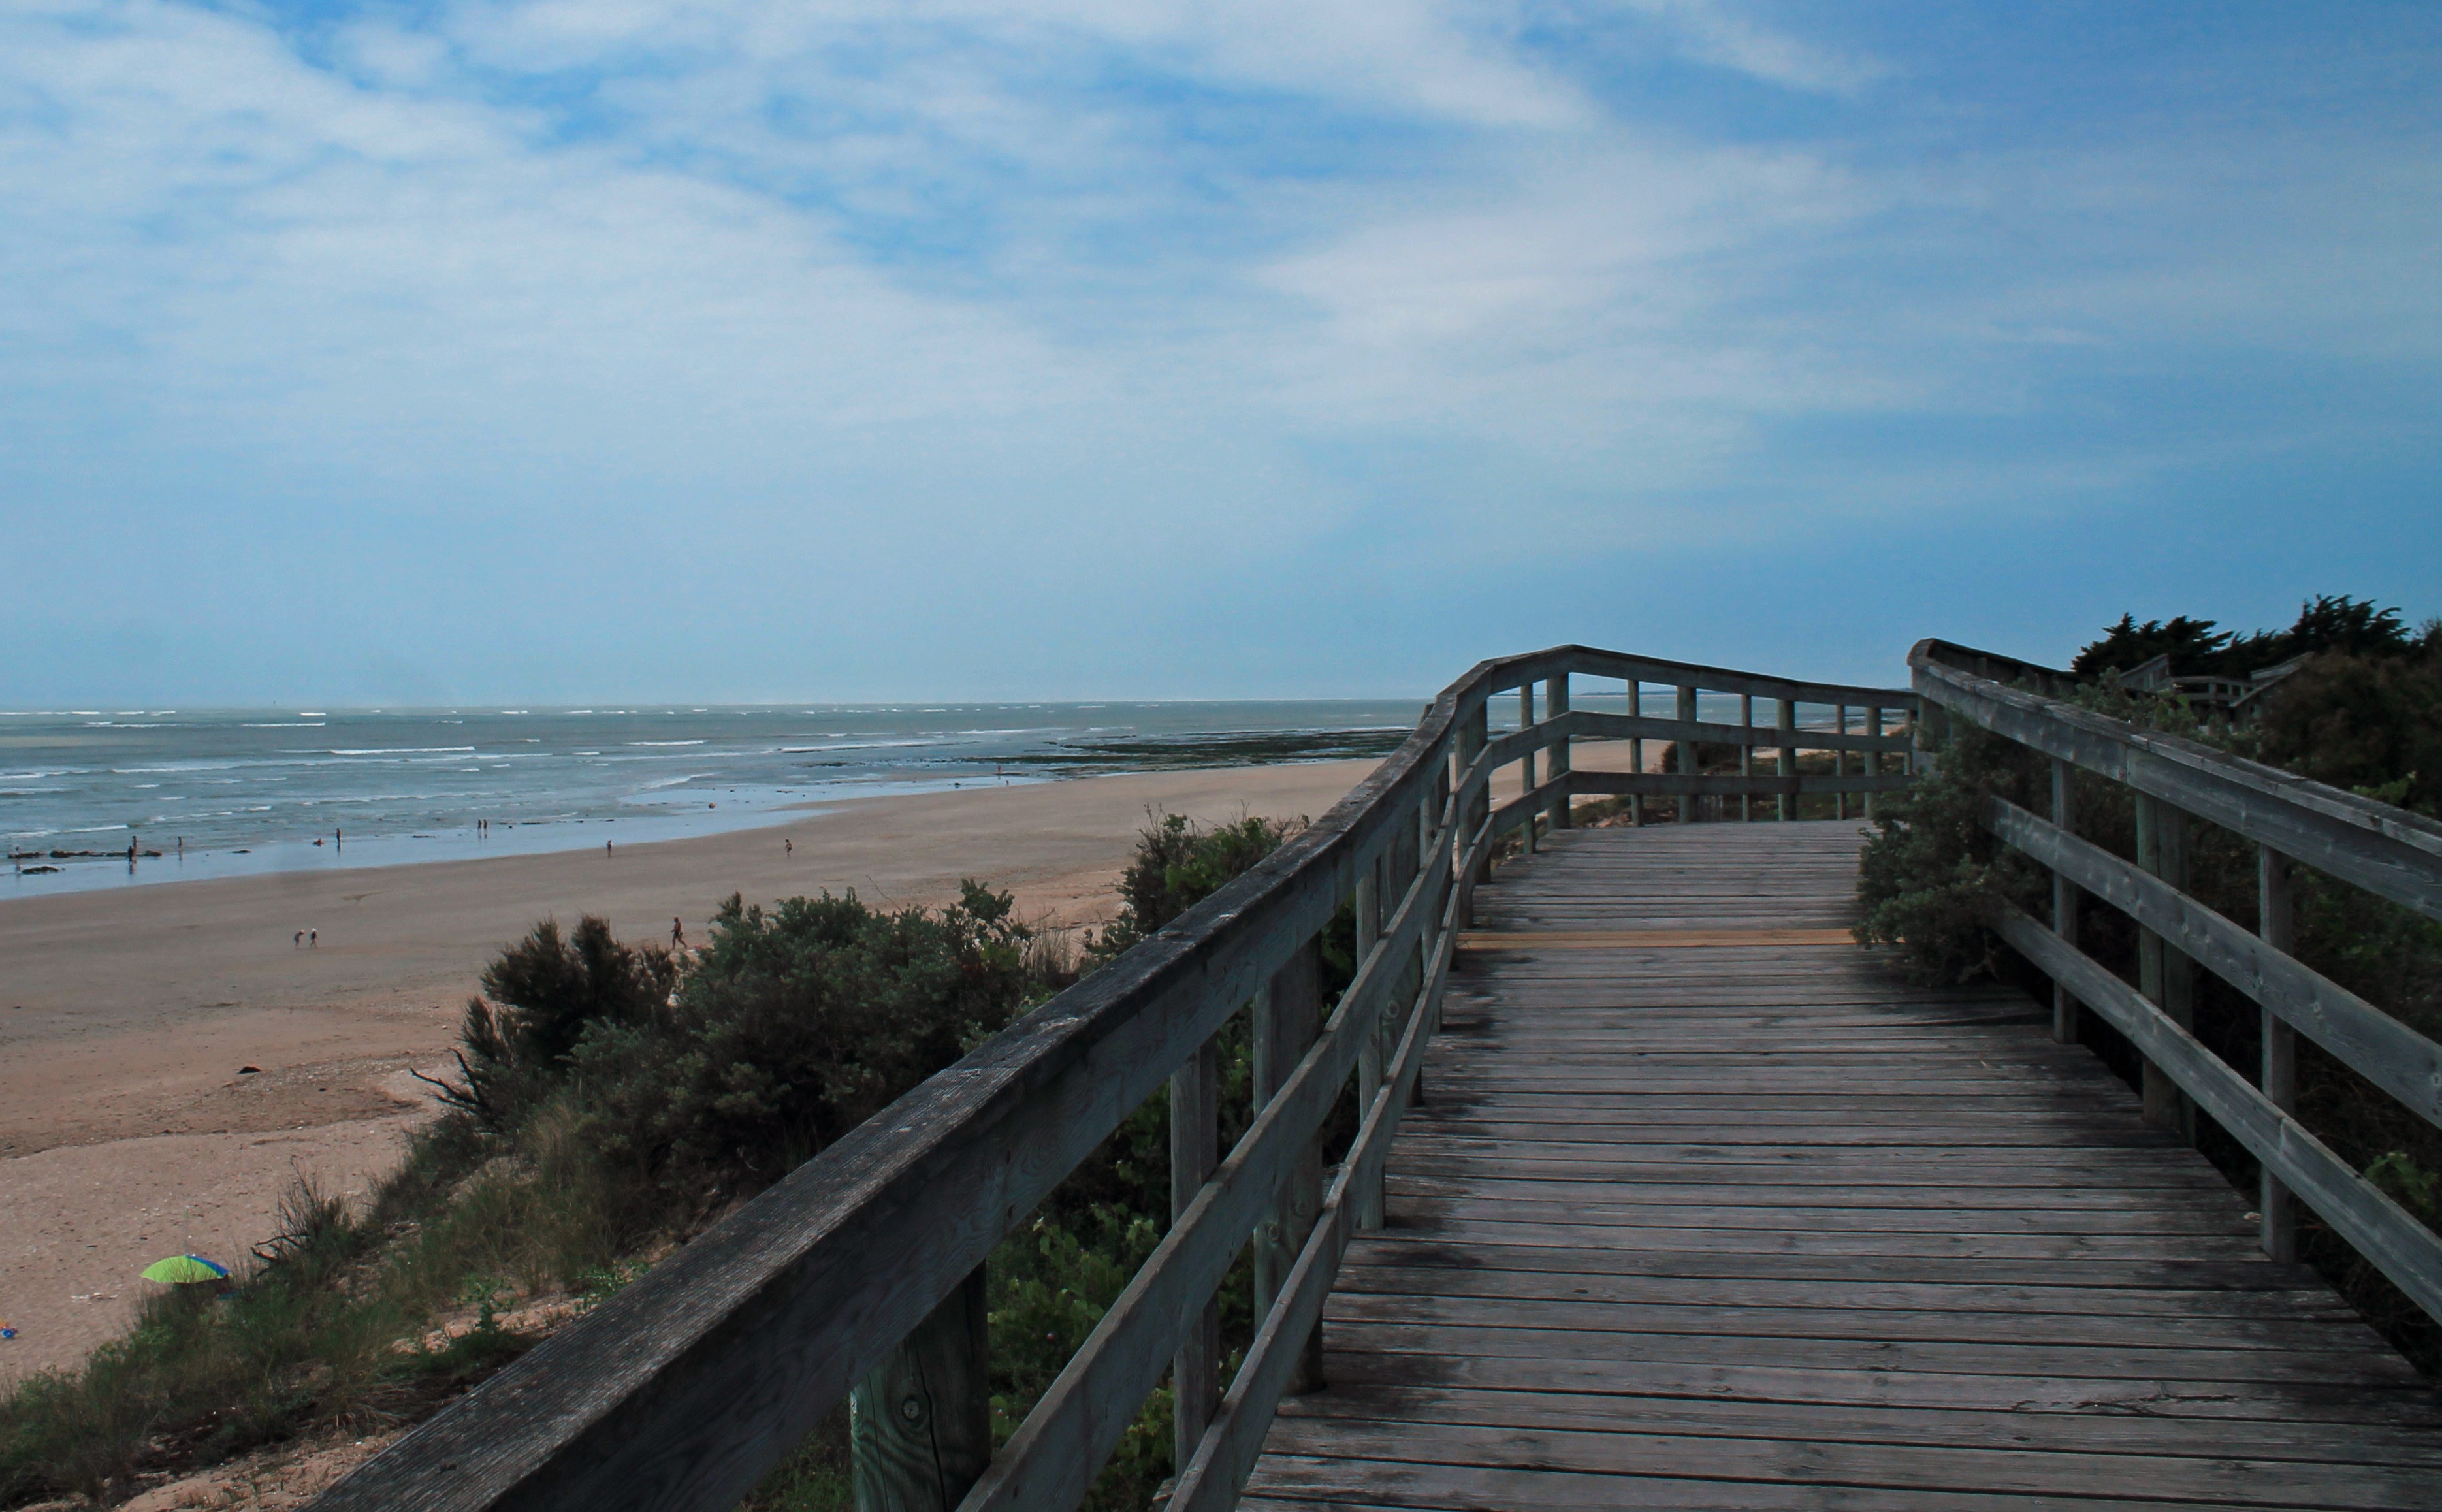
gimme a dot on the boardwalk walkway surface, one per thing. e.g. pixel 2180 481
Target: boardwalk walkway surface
pixel 1694 1224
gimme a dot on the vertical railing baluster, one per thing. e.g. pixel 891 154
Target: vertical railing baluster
pixel 1555 762
pixel 1839 763
pixel 1194 1150
pixel 1932 731
pixel 1526 762
pixel 1873 760
pixel 1788 731
pixel 1288 1014
pixel 1428 816
pixel 1636 749
pixel 2276 923
pixel 2063 898
pixel 1369 1048
pixel 1746 756
pixel 919 1426
pixel 1689 765
pixel 1474 732
pixel 2165 975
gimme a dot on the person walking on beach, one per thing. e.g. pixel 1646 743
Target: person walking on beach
pixel 678 933
pixel 299 943
pixel 313 940
pixel 788 846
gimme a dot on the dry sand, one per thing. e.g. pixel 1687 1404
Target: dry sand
pixel 128 1133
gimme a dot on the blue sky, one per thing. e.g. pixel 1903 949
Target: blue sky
pixel 582 349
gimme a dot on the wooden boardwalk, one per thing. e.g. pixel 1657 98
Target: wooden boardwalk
pixel 1693 1223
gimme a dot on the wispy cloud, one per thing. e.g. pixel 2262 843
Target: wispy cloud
pixel 1089 293
pixel 1711 32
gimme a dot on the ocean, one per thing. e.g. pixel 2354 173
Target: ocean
pixel 202 793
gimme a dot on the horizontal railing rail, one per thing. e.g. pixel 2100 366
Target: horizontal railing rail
pixel 857 1277
pixel 2388 851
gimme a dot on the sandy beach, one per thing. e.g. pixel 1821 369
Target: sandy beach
pixel 126 1017
pixel 173 1056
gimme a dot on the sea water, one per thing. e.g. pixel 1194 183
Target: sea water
pixel 203 794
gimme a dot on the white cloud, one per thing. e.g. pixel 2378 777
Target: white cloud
pixel 1078 296
pixel 1709 32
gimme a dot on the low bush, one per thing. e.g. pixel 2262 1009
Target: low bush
pixel 613 1099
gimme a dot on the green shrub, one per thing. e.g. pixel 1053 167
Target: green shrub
pixel 1177 865
pixel 612 1100
pixel 794 1027
pixel 1931 876
pixel 541 997
pixel 2368 723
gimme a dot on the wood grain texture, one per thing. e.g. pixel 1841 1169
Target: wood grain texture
pixel 919 1426
pixel 1755 1226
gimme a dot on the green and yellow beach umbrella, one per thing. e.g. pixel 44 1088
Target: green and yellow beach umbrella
pixel 180 1270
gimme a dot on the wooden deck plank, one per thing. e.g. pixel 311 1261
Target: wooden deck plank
pixel 1749 1223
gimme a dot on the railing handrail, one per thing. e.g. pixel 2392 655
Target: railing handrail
pixel 683 1390
pixel 2386 850
pixel 1505 673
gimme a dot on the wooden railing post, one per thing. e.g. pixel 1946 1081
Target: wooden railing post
pixel 1636 750
pixel 919 1426
pixel 1288 1014
pixel 2276 924
pixel 1369 1052
pixel 1556 763
pixel 1474 732
pixel 1689 765
pixel 2165 975
pixel 2064 898
pixel 1194 1150
pixel 1873 763
pixel 1747 753
pixel 1839 762
pixel 1526 762
pixel 1932 731
pixel 1428 827
pixel 1788 729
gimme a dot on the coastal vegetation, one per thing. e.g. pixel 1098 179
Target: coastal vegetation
pixel 2362 712
pixel 612 1100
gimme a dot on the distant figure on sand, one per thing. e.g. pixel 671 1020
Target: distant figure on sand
pixel 313 940
pixel 606 848
pixel 787 848
pixel 678 934
pixel 299 941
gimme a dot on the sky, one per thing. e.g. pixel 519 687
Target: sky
pixel 743 350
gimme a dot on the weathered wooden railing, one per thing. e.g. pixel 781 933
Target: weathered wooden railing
pixel 2387 851
pixel 859 1275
